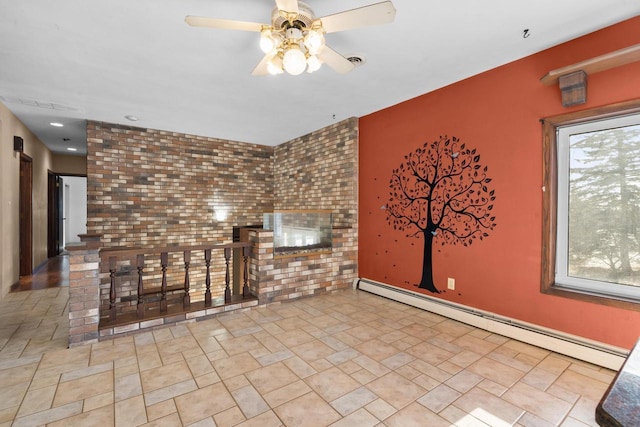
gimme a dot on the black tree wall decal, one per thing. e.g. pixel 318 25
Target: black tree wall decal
pixel 441 193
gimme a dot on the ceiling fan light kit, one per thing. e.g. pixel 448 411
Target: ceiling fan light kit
pixel 295 40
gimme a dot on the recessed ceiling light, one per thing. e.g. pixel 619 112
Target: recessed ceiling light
pixel 56 124
pixel 71 149
pixel 131 118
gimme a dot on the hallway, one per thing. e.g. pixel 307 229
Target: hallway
pixel 343 359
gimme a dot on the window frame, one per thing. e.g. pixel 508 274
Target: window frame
pixel 550 126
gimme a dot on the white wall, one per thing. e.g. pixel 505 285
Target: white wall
pixel 75 209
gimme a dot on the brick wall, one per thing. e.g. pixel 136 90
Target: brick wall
pixel 320 171
pixel 149 187
pixel 276 279
pixel 315 171
pixel 84 290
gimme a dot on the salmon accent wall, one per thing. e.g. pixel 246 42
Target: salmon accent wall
pixel 498 113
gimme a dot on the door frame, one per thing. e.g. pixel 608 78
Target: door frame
pixel 55 214
pixel 26 215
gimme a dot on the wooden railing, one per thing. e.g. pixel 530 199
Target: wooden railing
pixel 132 263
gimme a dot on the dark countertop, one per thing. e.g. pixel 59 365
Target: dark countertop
pixel 620 405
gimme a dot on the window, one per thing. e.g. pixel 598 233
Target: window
pixel 591 225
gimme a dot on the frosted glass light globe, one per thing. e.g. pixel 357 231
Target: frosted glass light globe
pixel 294 61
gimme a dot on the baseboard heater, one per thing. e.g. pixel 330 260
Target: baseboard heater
pixel 570 345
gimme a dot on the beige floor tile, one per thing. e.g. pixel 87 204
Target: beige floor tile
pixel 396 390
pixel 531 420
pixel 353 401
pixel 8 414
pixel 465 358
pixel 169 392
pixel 415 415
pixel 127 387
pixel 85 372
pixel 439 398
pixel 284 394
pixel 430 370
pixel 544 405
pixel 49 416
pixel 37 400
pixel 475 344
pixel 83 388
pixel 230 417
pixel 332 383
pixel 539 378
pixel 292 338
pixel 583 411
pixel 460 418
pixel 519 361
pixel 18 374
pixel 100 417
pixel 520 347
pixel 496 371
pixel 271 377
pixel 376 349
pixel 203 403
pixel 582 385
pixel 235 365
pixel 162 409
pixel 171 420
pixel 429 353
pixel 419 332
pixel 313 350
pixel 250 401
pixel 109 354
pixel 360 418
pixel 131 412
pixel 98 401
pixel 241 345
pixel 308 410
pixel 464 381
pixel 452 328
pixel 62 357
pixel 268 419
pixel 488 408
pixel 373 360
pixel 381 409
pixel 164 376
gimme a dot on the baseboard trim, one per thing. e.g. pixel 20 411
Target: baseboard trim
pixel 595 352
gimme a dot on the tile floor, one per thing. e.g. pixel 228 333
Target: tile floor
pixel 345 359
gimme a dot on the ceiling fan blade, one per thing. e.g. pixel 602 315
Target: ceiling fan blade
pixel 262 67
pixel 225 24
pixel 287 5
pixel 333 59
pixel 374 14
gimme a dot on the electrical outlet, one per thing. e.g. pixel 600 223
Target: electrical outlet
pixel 451 283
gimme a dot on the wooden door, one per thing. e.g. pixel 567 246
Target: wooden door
pixel 26 221
pixel 54 216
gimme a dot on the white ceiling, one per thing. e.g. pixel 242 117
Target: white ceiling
pixel 73 60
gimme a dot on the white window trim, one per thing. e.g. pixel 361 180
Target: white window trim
pixel 562 279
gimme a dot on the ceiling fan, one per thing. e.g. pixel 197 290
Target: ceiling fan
pixel 294 41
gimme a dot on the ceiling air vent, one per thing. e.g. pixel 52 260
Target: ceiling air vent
pixel 356 60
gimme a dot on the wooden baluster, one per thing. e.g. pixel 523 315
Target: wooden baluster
pixel 112 289
pixel 246 251
pixel 186 301
pixel 207 292
pixel 227 289
pixel 164 260
pixel 140 265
